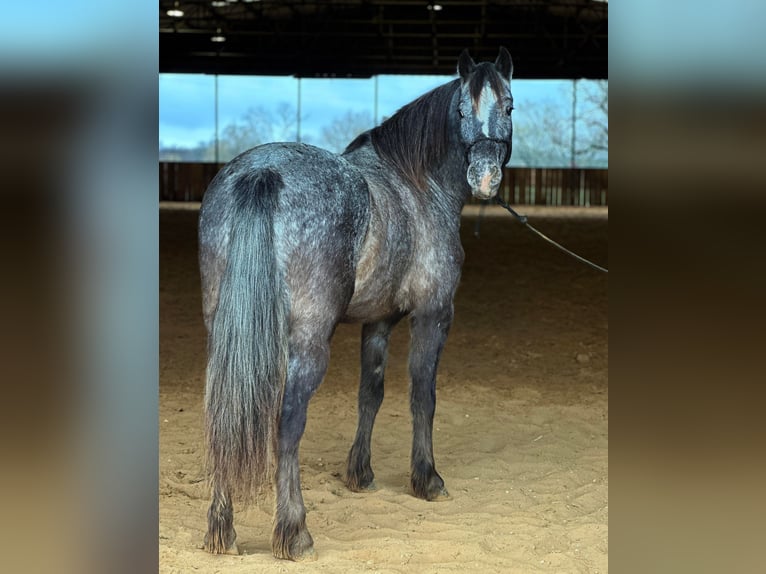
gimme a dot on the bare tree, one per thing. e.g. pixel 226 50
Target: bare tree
pixel 257 126
pixel 542 134
pixel 595 117
pixel 339 133
pixel 538 135
pixel 249 131
pixel 542 131
pixel 285 126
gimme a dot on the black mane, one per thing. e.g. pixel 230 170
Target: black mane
pixel 416 136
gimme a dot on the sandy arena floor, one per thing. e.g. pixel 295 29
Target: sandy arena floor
pixel 520 434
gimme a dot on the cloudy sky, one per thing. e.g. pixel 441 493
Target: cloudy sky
pixel 187 101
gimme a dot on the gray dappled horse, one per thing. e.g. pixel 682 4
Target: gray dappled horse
pixel 295 239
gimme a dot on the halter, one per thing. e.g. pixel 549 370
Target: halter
pixel 488 139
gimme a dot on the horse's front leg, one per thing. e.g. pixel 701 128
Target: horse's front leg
pixel 359 475
pixel 429 333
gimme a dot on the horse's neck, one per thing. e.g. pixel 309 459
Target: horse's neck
pixel 448 180
pixel 450 173
pixel 446 186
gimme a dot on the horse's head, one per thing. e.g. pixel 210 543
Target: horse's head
pixel 484 108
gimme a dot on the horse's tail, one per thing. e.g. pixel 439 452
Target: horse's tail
pixel 247 346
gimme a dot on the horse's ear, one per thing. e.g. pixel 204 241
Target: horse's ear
pixel 465 65
pixel 504 64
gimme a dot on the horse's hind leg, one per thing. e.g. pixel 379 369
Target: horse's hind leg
pixel 220 535
pixel 359 475
pixel 309 356
pixel 429 333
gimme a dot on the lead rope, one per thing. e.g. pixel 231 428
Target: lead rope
pixel 523 219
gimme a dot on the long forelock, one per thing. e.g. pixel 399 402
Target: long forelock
pixel 416 136
pixel 485 73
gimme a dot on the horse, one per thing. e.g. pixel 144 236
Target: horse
pixel 293 240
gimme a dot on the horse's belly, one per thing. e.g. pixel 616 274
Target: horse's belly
pixel 372 301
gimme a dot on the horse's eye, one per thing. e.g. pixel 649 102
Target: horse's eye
pixel 508 110
pixel 460 111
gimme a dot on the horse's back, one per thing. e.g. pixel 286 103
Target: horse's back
pixel 310 176
pixel 320 220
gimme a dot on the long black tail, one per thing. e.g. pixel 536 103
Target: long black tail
pixel 247 346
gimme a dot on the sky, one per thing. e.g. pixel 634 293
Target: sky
pixel 187 110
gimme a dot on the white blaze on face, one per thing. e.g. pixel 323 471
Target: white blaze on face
pixel 486 101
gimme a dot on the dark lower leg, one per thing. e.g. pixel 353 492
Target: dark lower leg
pixel 291 538
pixel 359 475
pixel 425 481
pixel 428 336
pixel 220 535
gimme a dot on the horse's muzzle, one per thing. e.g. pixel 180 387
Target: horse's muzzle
pixel 484 178
pixel 485 166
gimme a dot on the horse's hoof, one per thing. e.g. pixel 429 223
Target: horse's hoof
pixel 441 496
pixel 217 546
pixel 308 555
pixel 357 486
pixel 432 489
pixel 298 547
pixel 233 550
